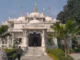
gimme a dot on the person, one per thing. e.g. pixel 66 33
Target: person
pixel 0 54
pixel 19 52
pixel 3 55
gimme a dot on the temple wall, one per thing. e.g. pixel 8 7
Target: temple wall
pixel 18 26
pixel 18 35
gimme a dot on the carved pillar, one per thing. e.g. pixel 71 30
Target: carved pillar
pixel 27 38
pixel 8 40
pixel 43 40
pixel 12 39
pixel 24 39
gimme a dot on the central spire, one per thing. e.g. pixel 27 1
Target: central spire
pixel 35 8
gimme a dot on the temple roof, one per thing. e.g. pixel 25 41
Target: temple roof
pixel 48 18
pixel 34 21
pixel 35 14
pixel 21 18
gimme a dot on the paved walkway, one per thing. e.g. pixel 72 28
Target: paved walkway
pixel 36 58
pixel 76 56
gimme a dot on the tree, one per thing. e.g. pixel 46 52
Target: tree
pixel 3 28
pixel 60 33
pixel 63 30
pixel 70 11
pixel 49 39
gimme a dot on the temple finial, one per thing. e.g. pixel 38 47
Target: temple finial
pixel 21 8
pixel 48 14
pixel 35 8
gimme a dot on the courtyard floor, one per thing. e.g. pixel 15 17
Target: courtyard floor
pixel 76 56
pixel 36 58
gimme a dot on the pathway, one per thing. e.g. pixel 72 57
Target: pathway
pixel 76 56
pixel 36 58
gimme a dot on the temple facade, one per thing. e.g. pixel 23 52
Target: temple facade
pixel 30 32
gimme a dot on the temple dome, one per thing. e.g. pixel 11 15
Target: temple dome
pixel 34 21
pixel 21 18
pixel 48 18
pixel 5 23
pixel 35 14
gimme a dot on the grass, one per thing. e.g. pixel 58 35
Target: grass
pixel 53 57
pixel 58 54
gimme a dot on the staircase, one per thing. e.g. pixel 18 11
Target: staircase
pixel 34 51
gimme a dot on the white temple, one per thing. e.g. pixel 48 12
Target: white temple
pixel 29 32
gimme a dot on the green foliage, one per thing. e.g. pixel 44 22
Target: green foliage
pixel 70 11
pixel 50 36
pixel 74 42
pixel 61 16
pixel 59 54
pixel 70 28
pixel 66 58
pixel 54 57
pixel 62 31
pixel 71 50
pixel 77 49
pixel 13 56
pixel 3 28
pixel 9 50
pixel 11 53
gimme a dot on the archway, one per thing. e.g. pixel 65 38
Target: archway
pixel 34 39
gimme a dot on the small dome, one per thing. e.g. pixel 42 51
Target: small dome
pixel 42 15
pixel 55 20
pixel 35 14
pixel 5 23
pixel 11 20
pixel 21 18
pixel 34 21
pixel 48 18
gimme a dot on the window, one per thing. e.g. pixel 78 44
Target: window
pixel 12 25
pixel 18 41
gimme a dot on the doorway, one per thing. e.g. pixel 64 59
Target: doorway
pixel 34 39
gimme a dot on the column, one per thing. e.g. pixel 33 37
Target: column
pixel 12 39
pixel 43 40
pixel 8 41
pixel 24 38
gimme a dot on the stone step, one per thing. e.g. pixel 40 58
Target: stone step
pixel 35 58
pixel 37 51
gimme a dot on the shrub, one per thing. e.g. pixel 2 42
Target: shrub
pixel 54 57
pixel 11 53
pixel 13 56
pixel 78 49
pixel 9 50
pixel 59 54
pixel 66 58
pixel 71 50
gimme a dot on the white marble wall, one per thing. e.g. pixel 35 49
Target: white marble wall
pixel 24 39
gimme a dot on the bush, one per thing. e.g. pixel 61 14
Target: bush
pixel 78 49
pixel 66 58
pixel 12 57
pixel 54 57
pixel 59 54
pixel 9 50
pixel 71 50
pixel 11 53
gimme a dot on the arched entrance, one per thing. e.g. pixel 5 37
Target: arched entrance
pixel 34 39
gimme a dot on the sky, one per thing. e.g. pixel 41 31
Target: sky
pixel 11 8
